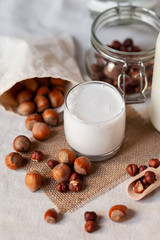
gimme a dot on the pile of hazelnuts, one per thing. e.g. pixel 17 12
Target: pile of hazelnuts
pixel 37 99
pixel 149 177
pixel 107 71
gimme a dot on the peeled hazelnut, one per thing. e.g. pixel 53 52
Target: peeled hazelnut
pixel 75 185
pixel 138 187
pixel 154 162
pixel 62 187
pixel 150 177
pixel 132 169
pixel 74 176
pixel 82 165
pixel 89 226
pixel 40 131
pixel 41 102
pixel 52 163
pixel 56 98
pixel 24 96
pixel 31 84
pixel 33 180
pixel 66 156
pixel 21 143
pixel 50 117
pixel 31 120
pixel 61 172
pixel 90 216
pixel 51 216
pixel 26 108
pixel 14 160
pixel 37 156
pixel 44 90
pixel 142 168
pixel 118 213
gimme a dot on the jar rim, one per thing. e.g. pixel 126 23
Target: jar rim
pixel 144 55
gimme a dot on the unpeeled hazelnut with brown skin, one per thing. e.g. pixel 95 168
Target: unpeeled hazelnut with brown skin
pixel 132 169
pixel 40 131
pixel 62 187
pixel 31 120
pixel 118 213
pixel 154 162
pixel 74 176
pixel 31 84
pixel 50 117
pixel 43 90
pixel 142 168
pixel 14 160
pixel 150 177
pixel 37 156
pixel 42 103
pixel 52 163
pixel 90 216
pixel 33 180
pixel 26 108
pixel 82 165
pixel 66 156
pixel 61 172
pixel 57 81
pixel 89 226
pixel 24 96
pixel 138 187
pixel 51 216
pixel 75 185
pixel 56 98
pixel 21 143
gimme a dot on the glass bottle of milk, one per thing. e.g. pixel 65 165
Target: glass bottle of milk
pixel 154 111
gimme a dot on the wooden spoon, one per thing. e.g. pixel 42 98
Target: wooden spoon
pixel 132 181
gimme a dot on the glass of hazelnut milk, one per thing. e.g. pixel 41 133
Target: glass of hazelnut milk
pixel 94 119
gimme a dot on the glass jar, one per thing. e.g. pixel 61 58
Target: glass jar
pixel 130 70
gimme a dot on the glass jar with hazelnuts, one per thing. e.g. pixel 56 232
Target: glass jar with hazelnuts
pixel 123 45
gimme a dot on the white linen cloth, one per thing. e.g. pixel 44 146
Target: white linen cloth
pixel 22 212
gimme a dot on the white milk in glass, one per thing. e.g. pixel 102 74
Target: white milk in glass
pixel 94 119
pixel 154 112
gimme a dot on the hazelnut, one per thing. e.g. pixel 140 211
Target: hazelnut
pixel 128 42
pixel 58 81
pixel 142 168
pixel 61 172
pixel 43 81
pixel 51 216
pixel 138 187
pixel 118 213
pixel 154 162
pixel 14 160
pixel 31 120
pixel 132 169
pixel 56 98
pixel 75 185
pixel 41 102
pixel 52 163
pixel 116 44
pixel 150 177
pixel 44 90
pixel 89 226
pixel 16 89
pixel 145 183
pixel 33 180
pixel 26 108
pixel 66 156
pixel 62 187
pixel 74 176
pixel 21 143
pixel 40 131
pixel 37 156
pixel 90 216
pixel 82 165
pixel 31 84
pixel 59 88
pixel 50 117
pixel 24 96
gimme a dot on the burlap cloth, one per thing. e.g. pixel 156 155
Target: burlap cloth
pixel 141 143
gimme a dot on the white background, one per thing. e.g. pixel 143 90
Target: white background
pixel 22 212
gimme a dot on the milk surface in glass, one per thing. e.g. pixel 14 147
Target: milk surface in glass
pixel 94 118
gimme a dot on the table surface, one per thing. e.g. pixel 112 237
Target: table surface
pixel 22 212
